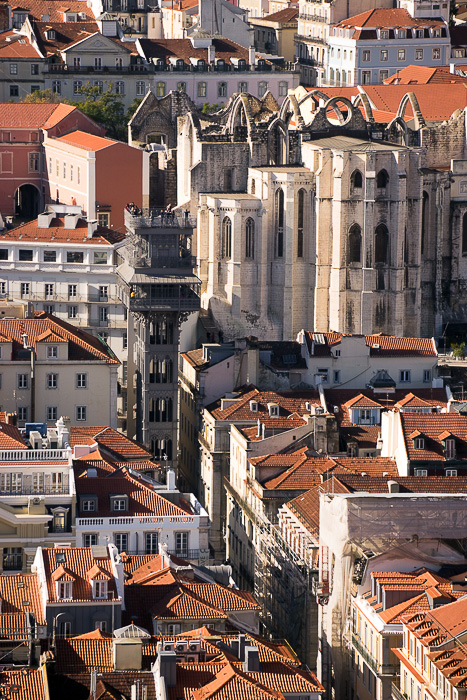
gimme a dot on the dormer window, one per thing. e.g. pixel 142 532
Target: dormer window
pixel 64 590
pixel 450 448
pixel 52 352
pixel 89 505
pixel 254 406
pixel 437 32
pixel 401 34
pixel 273 410
pixel 119 503
pixel 51 34
pixel 419 33
pixel 385 34
pixel 100 590
pixel 419 443
pixel 201 64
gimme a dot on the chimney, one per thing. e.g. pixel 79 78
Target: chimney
pixel 241 647
pixel 251 662
pixel 43 220
pixel 258 431
pixel 63 431
pixel 211 53
pixel 252 366
pixel 11 418
pixel 170 480
pixel 139 691
pixel 127 654
pixel 92 226
pixel 251 56
pixel 165 668
pixel 393 486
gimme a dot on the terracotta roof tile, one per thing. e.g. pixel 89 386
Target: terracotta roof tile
pixel 53 8
pixel 78 561
pixel 424 75
pixel 81 345
pixel 30 116
pixel 14 45
pixel 434 428
pixel 56 231
pixel 66 34
pixel 380 17
pixel 289 14
pixel 109 441
pixel 10 437
pixel 289 402
pixel 362 401
pixel 183 49
pixel 87 142
pixel 15 589
pixel 28 686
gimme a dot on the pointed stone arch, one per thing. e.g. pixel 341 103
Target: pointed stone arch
pixel 362 98
pixel 417 113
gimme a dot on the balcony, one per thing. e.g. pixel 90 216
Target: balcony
pixel 61 489
pixel 396 693
pixel 377 668
pixel 35 455
pixel 148 219
pixel 313 18
pixel 82 70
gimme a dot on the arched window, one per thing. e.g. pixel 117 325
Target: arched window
pixel 356 180
pixel 161 448
pixel 300 221
pixel 381 245
pixel 160 89
pixel 164 371
pixel 382 180
pixel 279 224
pixel 355 244
pixel 163 410
pixel 250 239
pixel 226 243
pixel 464 234
pixel 425 204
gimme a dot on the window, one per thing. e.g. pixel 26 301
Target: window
pixel 12 558
pixel 64 590
pixel 404 375
pixel 80 413
pixel 34 162
pixel 160 89
pixel 421 472
pixel 81 380
pixel 401 55
pixel 366 77
pixel 100 86
pixel 74 257
pixel 77 87
pixel 119 87
pixel 100 590
pixel 226 242
pixel 89 506
pixel 72 312
pixel 103 218
pixel 89 540
pixel 103 292
pixel 125 340
pixel 52 381
pixel 59 522
pixel 283 88
pixel 35 88
pixel 419 54
pixel 49 290
pixel 57 168
pixel 243 86
pixel 450 448
pixel 279 214
pixel 181 544
pixel 50 255
pixel 119 504
pixel 25 287
pixel 427 375
pixel 23 413
pixel 436 54
pixel 383 55
pixel 25 255
pixel 13 69
pixel 355 244
pixel 23 381
pixel 100 258
pixel 356 180
pixel 14 91
pixel 250 239
pixel 3 288
pixel 103 315
pixel 419 444
pixel 366 55
pixel 173 628
pixel 181 86
pixel 79 175
pixel 381 245
pixel 384 34
pixel 300 222
pixel 262 88
pixel 383 75
pixel 152 543
pixel 451 472
pixel 141 88
pixel 52 352
pixel 52 413
pixel 57 87
pixel 222 89
pixel 121 541
pixel 202 89
pixel 34 69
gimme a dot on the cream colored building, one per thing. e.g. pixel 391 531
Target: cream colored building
pixel 275 33
pixel 50 369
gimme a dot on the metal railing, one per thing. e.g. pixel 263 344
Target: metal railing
pixel 396 693
pixel 35 491
pixel 34 455
pixel 154 219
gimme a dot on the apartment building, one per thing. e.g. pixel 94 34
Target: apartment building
pixel 369 47
pixel 275 33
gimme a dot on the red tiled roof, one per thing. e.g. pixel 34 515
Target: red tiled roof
pixel 23 686
pixel 289 402
pixel 424 75
pixel 87 142
pixel 434 428
pixel 56 231
pixel 289 14
pixel 396 17
pixel 392 346
pixel 10 437
pixel 81 345
pixel 436 102
pixel 109 440
pixel 362 401
pixel 142 498
pixel 66 34
pixel 53 8
pixel 16 589
pixel 14 45
pixel 229 682
pixel 78 561
pixel 196 358
pixel 22 115
pixel 183 49
pixel 365 436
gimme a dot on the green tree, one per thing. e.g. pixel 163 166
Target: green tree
pixel 209 108
pixel 42 96
pixel 106 108
pixel 133 107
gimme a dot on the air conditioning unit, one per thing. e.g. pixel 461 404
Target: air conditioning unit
pixel 169 646
pixel 181 646
pixel 195 646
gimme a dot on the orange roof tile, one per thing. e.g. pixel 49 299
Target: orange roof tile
pixel 87 142
pixel 38 8
pixel 381 17
pixel 78 561
pixel 109 441
pixel 435 428
pixel 14 45
pixel 23 686
pixel 10 437
pixel 424 75
pixel 18 589
pixel 289 14
pixel 57 231
pixel 231 683
pixel 289 402
pixel 22 115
